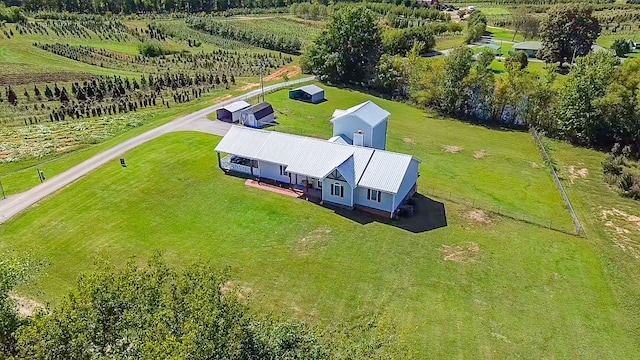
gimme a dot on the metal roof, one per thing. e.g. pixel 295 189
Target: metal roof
pixel 360 166
pixel 385 171
pixel 368 112
pixel 235 106
pixel 528 45
pixel 243 142
pixel 310 89
pixel 341 139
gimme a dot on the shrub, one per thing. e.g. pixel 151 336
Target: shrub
pixel 152 49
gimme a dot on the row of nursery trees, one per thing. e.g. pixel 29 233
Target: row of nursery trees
pixel 144 6
pixel 597 104
pixel 156 311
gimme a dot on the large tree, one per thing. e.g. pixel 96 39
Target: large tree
pixel 577 113
pixel 348 49
pixel 568 31
pixel 156 312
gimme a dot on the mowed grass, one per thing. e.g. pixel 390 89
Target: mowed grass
pixel 449 42
pixel 526 292
pixel 497 170
pixel 503 34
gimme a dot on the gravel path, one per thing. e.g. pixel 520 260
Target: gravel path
pixel 196 121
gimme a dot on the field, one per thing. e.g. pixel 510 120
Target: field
pixel 483 286
pixel 111 90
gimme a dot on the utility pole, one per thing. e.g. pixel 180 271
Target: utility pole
pixel 261 82
pixel 2 189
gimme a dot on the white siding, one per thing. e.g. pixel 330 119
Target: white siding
pixel 346 200
pixel 379 135
pixel 385 204
pixel 272 171
pixel 409 180
pixel 349 124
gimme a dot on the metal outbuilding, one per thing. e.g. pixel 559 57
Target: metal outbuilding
pixel 258 116
pixel 310 93
pixel 232 112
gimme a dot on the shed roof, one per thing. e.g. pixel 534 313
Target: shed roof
pixel 235 106
pixel 311 89
pixel 528 45
pixel 368 112
pixel 360 166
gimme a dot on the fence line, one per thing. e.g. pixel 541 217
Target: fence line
pixel 497 210
pixel 577 226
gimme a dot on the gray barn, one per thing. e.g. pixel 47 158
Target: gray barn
pixel 310 93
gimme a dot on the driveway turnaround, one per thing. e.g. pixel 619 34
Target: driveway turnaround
pixel 196 121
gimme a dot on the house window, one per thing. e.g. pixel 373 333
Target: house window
pixel 337 190
pixel 373 195
pixel 319 184
pixel 283 170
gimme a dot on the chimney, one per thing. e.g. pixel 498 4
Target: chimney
pixel 358 138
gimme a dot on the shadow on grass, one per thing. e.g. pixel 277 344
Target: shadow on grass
pixel 428 215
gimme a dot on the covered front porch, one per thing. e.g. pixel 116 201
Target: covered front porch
pixel 239 165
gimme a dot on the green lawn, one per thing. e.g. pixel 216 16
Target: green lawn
pixel 449 42
pixel 523 292
pixel 509 178
pixel 503 34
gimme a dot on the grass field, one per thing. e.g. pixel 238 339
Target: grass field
pixel 490 287
pixel 449 42
pixel 535 293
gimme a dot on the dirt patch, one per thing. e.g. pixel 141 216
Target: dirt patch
pixel 26 307
pixel 241 290
pixel 291 72
pixel 575 173
pixel 477 216
pixel 409 141
pixel 314 239
pixel 480 154
pixel 624 229
pixel 463 253
pixel 452 149
pixel 249 86
pixel 535 165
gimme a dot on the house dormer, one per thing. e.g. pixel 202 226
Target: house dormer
pixel 362 125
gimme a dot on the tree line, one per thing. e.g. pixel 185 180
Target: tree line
pixel 596 105
pixel 155 311
pixel 165 6
pixel 286 44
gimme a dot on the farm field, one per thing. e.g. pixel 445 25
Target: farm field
pixel 70 55
pixel 449 42
pixel 464 290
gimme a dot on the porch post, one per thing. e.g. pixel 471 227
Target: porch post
pixel 219 161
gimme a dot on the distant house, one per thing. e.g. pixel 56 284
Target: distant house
pixel 258 116
pixel 530 48
pixel 232 112
pixel 361 125
pixel 340 171
pixel 310 93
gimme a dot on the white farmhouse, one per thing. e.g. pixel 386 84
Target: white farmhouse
pixel 351 175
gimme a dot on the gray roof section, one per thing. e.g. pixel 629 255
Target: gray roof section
pixel 235 106
pixel 368 112
pixel 360 166
pixel 341 139
pixel 311 89
pixel 528 45
pixel 385 171
pixel 239 141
